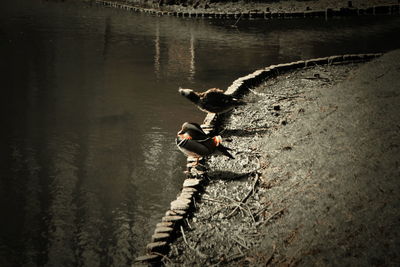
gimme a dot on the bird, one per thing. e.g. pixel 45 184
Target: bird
pixel 212 101
pixel 194 142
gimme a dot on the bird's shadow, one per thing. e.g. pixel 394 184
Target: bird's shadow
pixel 228 175
pixel 244 132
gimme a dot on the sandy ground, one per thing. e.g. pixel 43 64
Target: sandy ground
pixel 316 178
pixel 274 6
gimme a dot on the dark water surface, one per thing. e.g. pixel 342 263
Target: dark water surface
pixel 89 111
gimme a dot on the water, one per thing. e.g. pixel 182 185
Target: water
pixel 89 111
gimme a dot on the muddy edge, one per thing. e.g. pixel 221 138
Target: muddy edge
pixel 173 223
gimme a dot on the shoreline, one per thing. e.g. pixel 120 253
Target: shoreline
pixel 238 87
pixel 292 186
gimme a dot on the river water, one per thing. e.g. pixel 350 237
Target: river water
pixel 89 111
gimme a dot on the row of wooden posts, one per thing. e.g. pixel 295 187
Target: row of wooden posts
pixel 327 13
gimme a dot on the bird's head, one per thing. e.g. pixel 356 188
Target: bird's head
pixel 191 130
pixel 185 92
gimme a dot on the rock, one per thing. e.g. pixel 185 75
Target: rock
pixel 163 229
pixel 179 205
pixel 191 159
pixel 175 212
pixel 195 172
pixel 148 258
pixel 186 195
pixel 170 213
pixel 191 164
pixel 164 224
pixel 200 168
pixel 189 189
pixel 159 247
pixel 191 182
pixel 184 200
pixel 180 212
pixel 175 218
pixel 277 107
pixel 160 237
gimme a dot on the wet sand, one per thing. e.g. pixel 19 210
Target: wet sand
pixel 316 176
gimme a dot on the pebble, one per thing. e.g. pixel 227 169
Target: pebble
pixel 172 218
pixel 175 212
pixel 184 199
pixel 189 189
pixel 186 195
pixel 159 246
pixel 191 182
pixel 160 237
pixel 164 224
pixel 148 258
pixel 179 204
pixel 163 229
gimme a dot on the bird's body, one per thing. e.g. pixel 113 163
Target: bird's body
pixel 212 101
pixel 194 142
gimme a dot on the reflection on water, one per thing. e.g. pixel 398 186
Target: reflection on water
pixel 90 108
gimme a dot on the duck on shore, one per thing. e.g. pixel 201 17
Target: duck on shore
pixel 211 101
pixel 194 142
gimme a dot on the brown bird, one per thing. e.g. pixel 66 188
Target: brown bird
pixel 212 101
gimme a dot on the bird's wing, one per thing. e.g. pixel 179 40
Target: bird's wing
pixel 193 146
pixel 224 151
pixel 217 98
pixel 197 131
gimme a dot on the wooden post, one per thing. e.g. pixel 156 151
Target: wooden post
pixel 349 3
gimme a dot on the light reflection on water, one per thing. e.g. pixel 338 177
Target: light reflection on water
pixel 90 110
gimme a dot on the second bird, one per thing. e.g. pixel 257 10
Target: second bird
pixel 212 101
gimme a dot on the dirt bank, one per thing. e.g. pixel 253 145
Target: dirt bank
pixel 204 6
pixel 316 175
pixel 277 7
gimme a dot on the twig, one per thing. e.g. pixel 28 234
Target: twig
pixel 201 255
pixel 231 199
pixel 273 215
pixel 213 200
pixel 187 221
pixel 163 256
pixel 237 241
pixel 241 238
pixel 215 212
pixel 241 252
pixel 260 211
pixel 244 209
pixel 237 203
pixel 246 197
pixel 271 256
pixel 251 215
pixel 184 236
pixel 235 257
